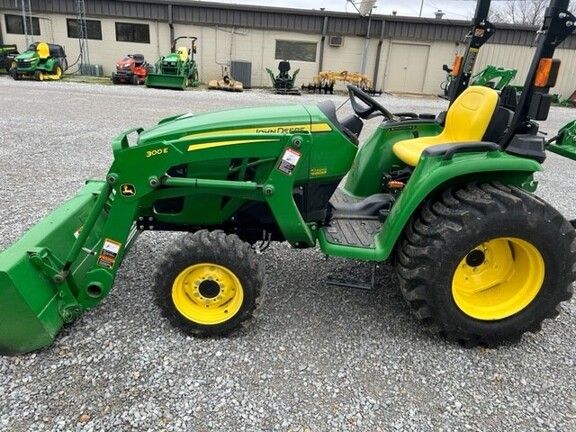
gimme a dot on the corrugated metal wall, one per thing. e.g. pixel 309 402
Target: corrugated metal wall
pixel 420 29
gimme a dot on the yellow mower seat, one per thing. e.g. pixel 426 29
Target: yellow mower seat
pixel 183 53
pixel 43 50
pixel 466 121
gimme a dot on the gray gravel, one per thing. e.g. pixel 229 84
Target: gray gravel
pixel 315 359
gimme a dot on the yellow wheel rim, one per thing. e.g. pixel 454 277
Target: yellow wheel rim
pixel 58 71
pixel 207 293
pixel 498 278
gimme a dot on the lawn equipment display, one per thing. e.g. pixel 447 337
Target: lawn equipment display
pixel 480 259
pixel 564 143
pixel 324 82
pixel 176 70
pixel 7 55
pixel 41 61
pixel 132 69
pixel 227 83
pixel 491 76
pixel 283 83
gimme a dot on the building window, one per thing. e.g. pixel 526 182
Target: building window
pixel 128 32
pixel 15 25
pixel 93 29
pixel 295 50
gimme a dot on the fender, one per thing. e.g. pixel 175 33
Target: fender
pixel 435 172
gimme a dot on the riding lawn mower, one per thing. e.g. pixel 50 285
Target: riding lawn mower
pixel 132 69
pixel 449 201
pixel 41 61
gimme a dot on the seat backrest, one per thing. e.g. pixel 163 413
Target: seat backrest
pixel 470 114
pixel 183 53
pixel 43 50
pixel 284 67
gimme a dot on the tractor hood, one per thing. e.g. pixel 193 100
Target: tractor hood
pixel 172 57
pixel 244 121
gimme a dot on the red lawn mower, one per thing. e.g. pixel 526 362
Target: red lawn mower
pixel 132 69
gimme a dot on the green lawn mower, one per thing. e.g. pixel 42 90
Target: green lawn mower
pixel 41 61
pixel 176 70
pixel 449 201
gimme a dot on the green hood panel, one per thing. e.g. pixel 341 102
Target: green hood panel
pixel 258 120
pixel 27 56
pixel 172 57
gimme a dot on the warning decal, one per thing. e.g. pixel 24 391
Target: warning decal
pixel 109 252
pixel 289 161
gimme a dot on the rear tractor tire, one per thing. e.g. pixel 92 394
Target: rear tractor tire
pixel 485 263
pixel 209 284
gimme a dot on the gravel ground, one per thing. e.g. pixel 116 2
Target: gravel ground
pixel 316 358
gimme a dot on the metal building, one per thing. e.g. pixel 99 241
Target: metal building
pixel 405 54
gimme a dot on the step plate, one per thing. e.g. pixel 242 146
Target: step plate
pixel 353 232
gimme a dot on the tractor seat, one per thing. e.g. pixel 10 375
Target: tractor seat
pixel 138 59
pixel 284 67
pixel 467 120
pixel 183 53
pixel 43 50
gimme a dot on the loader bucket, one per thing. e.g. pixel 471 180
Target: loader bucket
pixel 177 82
pixel 31 303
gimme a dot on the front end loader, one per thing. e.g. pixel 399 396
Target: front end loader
pixel 479 258
pixel 177 70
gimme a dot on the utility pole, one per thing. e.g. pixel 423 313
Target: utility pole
pixel 83 37
pixel 27 21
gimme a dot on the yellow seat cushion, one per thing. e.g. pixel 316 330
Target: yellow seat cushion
pixel 466 121
pixel 183 53
pixel 43 50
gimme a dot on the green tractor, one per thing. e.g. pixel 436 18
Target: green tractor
pixel 7 55
pixel 491 76
pixel 41 61
pixel 449 201
pixel 176 70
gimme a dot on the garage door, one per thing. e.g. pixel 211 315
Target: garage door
pixel 406 68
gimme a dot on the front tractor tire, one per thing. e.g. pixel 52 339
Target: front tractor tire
pixel 209 283
pixel 485 263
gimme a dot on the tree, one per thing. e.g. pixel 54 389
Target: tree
pixel 519 11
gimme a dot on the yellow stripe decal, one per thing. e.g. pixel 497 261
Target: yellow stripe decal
pixel 194 147
pixel 282 129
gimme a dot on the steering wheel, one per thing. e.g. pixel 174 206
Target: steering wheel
pixel 373 109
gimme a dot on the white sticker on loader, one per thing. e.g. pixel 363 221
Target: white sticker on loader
pixel 289 161
pixel 109 252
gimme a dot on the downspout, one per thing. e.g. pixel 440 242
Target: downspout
pixel 366 45
pixel 171 23
pixel 322 42
pixel 378 53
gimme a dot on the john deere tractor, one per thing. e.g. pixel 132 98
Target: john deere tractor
pixel 449 201
pixel 7 55
pixel 41 61
pixel 176 70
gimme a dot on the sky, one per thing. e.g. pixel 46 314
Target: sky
pixel 454 9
